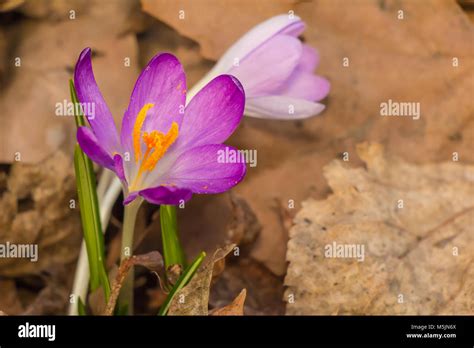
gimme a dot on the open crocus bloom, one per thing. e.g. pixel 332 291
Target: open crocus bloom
pixel 165 152
pixel 276 70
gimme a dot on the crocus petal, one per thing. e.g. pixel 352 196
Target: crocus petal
pixel 283 108
pixel 269 66
pixel 130 198
pixel 118 167
pixel 166 195
pixel 307 86
pixel 102 122
pixel 258 35
pixel 213 114
pixel 295 27
pixel 162 83
pixel 93 149
pixel 309 59
pixel 204 169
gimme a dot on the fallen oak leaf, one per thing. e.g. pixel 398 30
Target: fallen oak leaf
pixel 173 272
pixel 152 260
pixel 193 299
pixel 393 238
pixel 236 307
pixel 219 260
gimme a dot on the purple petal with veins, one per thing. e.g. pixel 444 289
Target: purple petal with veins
pixel 167 152
pixel 166 195
pixel 102 122
pixel 201 170
pixel 92 147
pixel 163 84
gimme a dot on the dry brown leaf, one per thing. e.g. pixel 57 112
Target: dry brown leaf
pixel 48 50
pixel 52 299
pixel 193 299
pixel 211 220
pixel 156 298
pixel 161 38
pixel 416 259
pixel 3 55
pixel 52 9
pixel 48 293
pixel 236 307
pixel 219 24
pixel 206 222
pixel 244 227
pixel 40 208
pixel 264 289
pixel 9 301
pixel 152 260
pixel 8 5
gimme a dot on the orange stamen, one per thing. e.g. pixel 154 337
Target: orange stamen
pixel 156 143
pixel 137 127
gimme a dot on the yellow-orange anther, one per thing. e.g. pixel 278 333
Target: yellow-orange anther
pixel 160 142
pixel 137 127
pixel 156 143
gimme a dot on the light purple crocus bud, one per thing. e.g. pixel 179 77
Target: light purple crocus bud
pixel 276 71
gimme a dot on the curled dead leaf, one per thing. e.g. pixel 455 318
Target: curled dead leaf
pixel 193 299
pixel 236 307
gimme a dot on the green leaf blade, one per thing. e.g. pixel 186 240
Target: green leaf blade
pixel 182 281
pixel 90 215
pixel 78 117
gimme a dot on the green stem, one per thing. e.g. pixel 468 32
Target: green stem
pixel 172 250
pixel 130 216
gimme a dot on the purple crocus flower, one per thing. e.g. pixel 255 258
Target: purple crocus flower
pixel 165 152
pixel 276 70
